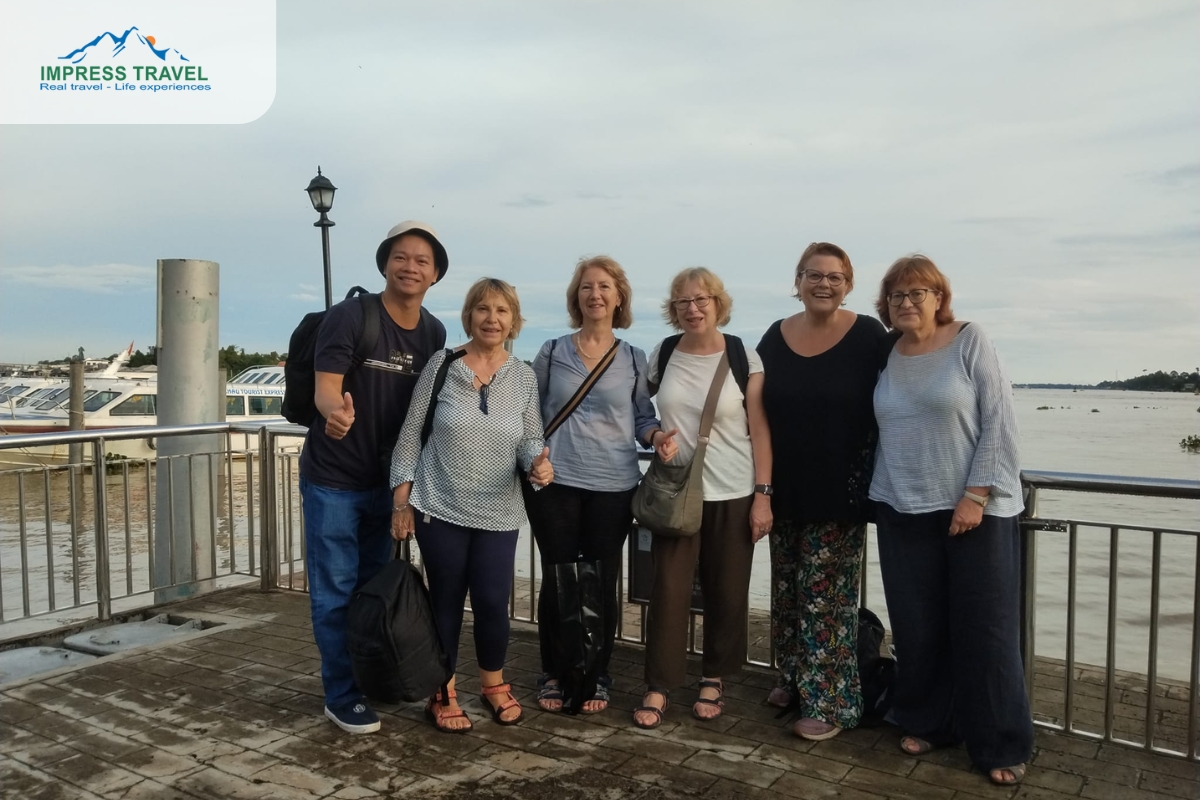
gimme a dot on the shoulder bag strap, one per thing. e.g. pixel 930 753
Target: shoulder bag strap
pixel 439 380
pixel 591 380
pixel 710 403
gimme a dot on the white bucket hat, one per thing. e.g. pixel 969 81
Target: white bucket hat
pixel 426 232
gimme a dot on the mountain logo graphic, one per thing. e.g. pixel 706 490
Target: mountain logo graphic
pixel 130 43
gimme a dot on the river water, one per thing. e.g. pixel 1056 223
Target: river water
pixel 1114 433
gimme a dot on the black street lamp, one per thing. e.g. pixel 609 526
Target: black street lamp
pixel 320 192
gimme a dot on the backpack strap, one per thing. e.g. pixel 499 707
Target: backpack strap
pixel 372 307
pixel 739 364
pixel 439 380
pixel 664 355
pixel 591 380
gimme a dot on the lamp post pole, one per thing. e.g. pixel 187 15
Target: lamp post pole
pixel 320 193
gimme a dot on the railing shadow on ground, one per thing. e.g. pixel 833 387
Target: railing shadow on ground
pixel 79 543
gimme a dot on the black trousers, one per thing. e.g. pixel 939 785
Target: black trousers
pixel 954 605
pixel 572 524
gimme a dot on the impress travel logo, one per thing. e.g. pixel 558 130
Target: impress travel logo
pixel 172 66
pixel 121 63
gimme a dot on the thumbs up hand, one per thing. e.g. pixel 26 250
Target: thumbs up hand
pixel 541 471
pixel 338 423
pixel 664 444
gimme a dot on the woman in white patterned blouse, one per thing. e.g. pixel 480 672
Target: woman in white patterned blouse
pixel 460 492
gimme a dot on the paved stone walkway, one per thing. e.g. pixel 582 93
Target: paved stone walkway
pixel 235 713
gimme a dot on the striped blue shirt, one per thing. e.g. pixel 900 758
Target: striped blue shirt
pixel 946 422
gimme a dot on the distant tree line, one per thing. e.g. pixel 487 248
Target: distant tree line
pixel 233 358
pixel 1160 381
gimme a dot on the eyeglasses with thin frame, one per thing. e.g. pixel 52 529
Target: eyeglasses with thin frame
pixel 814 277
pixel 682 303
pixel 917 296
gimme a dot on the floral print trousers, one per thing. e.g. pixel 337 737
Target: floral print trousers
pixel 814 616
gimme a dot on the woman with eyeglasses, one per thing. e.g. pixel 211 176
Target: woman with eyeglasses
pixel 459 491
pixel 820 370
pixel 947 481
pixel 736 488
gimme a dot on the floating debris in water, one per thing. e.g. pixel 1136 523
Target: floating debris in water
pixel 1190 444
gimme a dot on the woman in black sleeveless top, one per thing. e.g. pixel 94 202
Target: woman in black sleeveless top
pixel 820 366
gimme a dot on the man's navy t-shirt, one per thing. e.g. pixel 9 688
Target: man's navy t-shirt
pixel 381 387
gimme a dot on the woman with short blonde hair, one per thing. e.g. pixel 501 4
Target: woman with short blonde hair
pixel 486 422
pixel 581 521
pixel 736 484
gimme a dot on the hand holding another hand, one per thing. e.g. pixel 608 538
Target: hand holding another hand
pixel 968 515
pixel 541 471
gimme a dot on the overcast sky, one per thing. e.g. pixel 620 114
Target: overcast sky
pixel 1045 155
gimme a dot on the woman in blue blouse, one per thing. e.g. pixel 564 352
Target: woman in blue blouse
pixel 585 514
pixel 460 492
pixel 947 481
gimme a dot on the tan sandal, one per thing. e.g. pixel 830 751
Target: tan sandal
pixel 438 713
pixel 1018 775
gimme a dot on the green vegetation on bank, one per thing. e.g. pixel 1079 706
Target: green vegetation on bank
pixel 233 358
pixel 1146 382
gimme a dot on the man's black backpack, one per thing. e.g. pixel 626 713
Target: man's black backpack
pixel 395 652
pixel 739 365
pixel 299 392
pixel 876 672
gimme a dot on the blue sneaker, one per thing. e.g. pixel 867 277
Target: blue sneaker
pixel 353 717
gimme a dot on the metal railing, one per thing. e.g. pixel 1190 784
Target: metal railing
pixel 1147 686
pixel 255 529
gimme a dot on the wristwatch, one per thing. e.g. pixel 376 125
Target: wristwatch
pixel 981 499
pixel 764 488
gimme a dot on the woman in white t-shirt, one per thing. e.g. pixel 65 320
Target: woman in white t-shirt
pixel 737 488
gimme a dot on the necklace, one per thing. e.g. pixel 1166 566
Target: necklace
pixel 584 353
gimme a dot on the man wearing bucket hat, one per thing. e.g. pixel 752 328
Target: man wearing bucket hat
pixel 362 399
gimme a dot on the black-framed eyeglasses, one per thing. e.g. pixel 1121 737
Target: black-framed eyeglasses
pixel 814 277
pixel 682 303
pixel 483 396
pixel 917 296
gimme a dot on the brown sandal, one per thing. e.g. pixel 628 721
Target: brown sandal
pixel 718 701
pixel 437 713
pixel 502 688
pixel 1018 773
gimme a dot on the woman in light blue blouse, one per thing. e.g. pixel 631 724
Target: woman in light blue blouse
pixel 947 482
pixel 584 516
pixel 460 493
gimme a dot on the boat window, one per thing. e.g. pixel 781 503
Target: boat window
pixel 235 405
pixel 135 405
pixel 13 390
pixel 99 400
pixel 259 378
pixel 277 378
pixel 266 405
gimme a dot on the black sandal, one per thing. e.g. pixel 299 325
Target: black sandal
pixel 717 701
pixel 657 712
pixel 549 689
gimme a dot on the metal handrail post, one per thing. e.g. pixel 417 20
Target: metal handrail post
pixel 269 529
pixel 1028 588
pixel 100 506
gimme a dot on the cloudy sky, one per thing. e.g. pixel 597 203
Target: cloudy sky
pixel 1046 155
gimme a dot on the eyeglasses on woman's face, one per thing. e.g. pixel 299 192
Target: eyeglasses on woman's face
pixel 917 296
pixel 814 277
pixel 701 300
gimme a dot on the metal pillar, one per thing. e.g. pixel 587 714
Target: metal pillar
pixel 188 305
pixel 75 410
pixel 325 223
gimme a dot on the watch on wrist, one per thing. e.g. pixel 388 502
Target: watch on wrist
pixel 981 499
pixel 764 488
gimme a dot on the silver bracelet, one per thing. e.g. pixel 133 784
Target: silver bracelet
pixel 398 509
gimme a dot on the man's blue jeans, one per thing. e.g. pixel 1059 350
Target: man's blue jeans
pixel 348 540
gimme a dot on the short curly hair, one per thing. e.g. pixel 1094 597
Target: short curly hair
pixel 623 316
pixel 487 287
pixel 711 283
pixel 919 268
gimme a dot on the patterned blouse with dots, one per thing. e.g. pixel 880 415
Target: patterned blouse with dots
pixel 466 473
